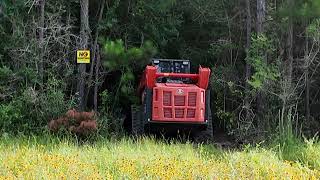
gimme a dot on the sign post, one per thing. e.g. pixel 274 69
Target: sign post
pixel 83 56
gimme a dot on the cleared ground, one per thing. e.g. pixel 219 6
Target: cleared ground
pixel 50 158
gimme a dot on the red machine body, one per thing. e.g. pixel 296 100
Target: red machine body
pixel 176 102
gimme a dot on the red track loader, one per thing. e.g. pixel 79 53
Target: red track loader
pixel 173 98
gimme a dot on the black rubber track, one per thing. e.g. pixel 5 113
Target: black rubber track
pixel 205 136
pixel 137 124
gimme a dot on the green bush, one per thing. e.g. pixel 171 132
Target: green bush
pixel 32 110
pixel 109 122
pixel 10 115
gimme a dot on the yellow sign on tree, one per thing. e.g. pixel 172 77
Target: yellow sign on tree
pixel 83 56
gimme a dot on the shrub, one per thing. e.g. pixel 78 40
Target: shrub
pixel 29 111
pixel 110 122
pixel 80 123
pixel 10 116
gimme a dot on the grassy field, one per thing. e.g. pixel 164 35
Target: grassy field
pixel 50 158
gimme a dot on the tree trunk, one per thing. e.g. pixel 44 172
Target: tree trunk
pixel 41 41
pixel 287 89
pixel 96 84
pixel 287 68
pixel 68 44
pixel 84 36
pixel 288 64
pixel 261 12
pixel 248 67
pixel 307 100
pixel 261 15
pixel 307 79
pixel 94 50
pixel 1 11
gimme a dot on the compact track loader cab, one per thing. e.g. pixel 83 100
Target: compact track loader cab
pixel 173 98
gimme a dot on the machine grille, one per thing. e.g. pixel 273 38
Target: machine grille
pixel 191 113
pixel 179 106
pixel 179 100
pixel 192 99
pixel 167 98
pixel 167 112
pixel 179 113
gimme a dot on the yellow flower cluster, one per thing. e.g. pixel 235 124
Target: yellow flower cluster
pixel 150 161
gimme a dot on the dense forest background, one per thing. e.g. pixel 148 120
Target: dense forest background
pixel 264 57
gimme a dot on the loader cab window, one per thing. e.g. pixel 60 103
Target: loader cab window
pixel 172 66
pixel 165 67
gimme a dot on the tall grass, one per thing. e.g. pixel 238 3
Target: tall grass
pixel 149 158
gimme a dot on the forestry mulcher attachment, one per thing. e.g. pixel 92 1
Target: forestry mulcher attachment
pixel 172 98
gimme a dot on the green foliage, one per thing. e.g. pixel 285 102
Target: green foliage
pixel 219 49
pixel 288 129
pixel 300 9
pixel 264 71
pixel 28 76
pixel 313 30
pixel 297 150
pixel 110 123
pixel 30 110
pixel 162 23
pixel 111 19
pixel 126 61
pixel 10 115
pixel 5 74
pixel 223 83
pixel 26 104
pixel 106 102
pixel 118 57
